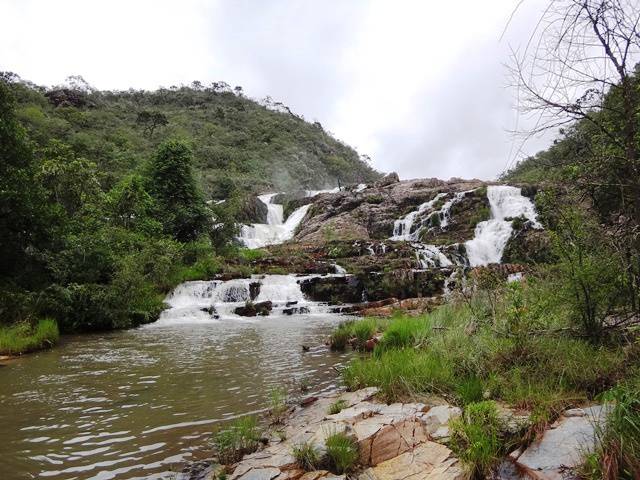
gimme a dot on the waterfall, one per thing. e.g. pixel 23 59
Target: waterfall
pixel 276 230
pixel 491 236
pixel 402 227
pixel 211 301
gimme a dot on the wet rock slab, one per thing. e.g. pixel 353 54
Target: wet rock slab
pixel 563 446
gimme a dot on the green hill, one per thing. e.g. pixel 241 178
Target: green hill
pixel 236 141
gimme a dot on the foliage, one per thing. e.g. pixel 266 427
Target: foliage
pixel 307 456
pixel 475 438
pixel 337 407
pixel 24 337
pixel 173 186
pixel 342 452
pixel 237 440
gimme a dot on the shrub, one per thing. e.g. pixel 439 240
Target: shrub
pixel 342 452
pixel 239 439
pixel 23 337
pixel 475 438
pixel 337 407
pixel 307 456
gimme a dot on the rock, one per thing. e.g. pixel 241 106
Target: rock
pixel 295 311
pixel 347 289
pixel 388 179
pixel 563 445
pixel 428 461
pixel 253 309
pixel 260 474
pixel 305 402
pixel 512 420
pixel 437 420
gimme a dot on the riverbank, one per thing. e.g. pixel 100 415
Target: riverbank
pixel 422 439
pixel 25 337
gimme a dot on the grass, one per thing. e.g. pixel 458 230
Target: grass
pixel 307 456
pixel 618 455
pixel 341 336
pixel 475 438
pixel 24 337
pixel 277 404
pixel 237 440
pixel 359 331
pixel 337 407
pixel 342 453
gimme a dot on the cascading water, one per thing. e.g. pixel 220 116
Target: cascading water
pixel 402 227
pixel 208 301
pixel 491 236
pixel 276 230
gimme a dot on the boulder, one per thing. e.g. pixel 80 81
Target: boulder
pixel 344 289
pixel 428 461
pixel 253 309
pixel 388 179
pixel 437 420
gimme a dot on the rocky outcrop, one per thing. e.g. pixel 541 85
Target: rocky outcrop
pixel 563 446
pixel 395 441
pixel 333 290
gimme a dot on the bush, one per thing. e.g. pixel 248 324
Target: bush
pixel 337 407
pixel 307 456
pixel 342 453
pixel 475 438
pixel 23 337
pixel 239 439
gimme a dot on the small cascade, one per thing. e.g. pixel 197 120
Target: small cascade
pixel 430 256
pixel 402 227
pixel 445 211
pixel 276 230
pixel 491 236
pixel 210 301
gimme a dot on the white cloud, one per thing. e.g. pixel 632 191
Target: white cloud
pixel 418 85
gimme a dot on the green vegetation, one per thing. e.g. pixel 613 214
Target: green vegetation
pixel 337 407
pixel 237 440
pixel 23 337
pixel 307 456
pixel 618 455
pixel 277 404
pixel 342 452
pixel 475 438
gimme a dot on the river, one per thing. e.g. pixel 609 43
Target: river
pixel 139 403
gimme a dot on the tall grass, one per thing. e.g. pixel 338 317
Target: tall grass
pixel 24 337
pixel 237 440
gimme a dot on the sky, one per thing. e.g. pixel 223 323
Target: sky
pixel 419 86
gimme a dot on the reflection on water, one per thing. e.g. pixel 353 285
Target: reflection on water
pixel 135 404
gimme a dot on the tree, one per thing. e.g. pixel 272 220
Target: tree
pixel 579 66
pixel 150 120
pixel 172 184
pixel 25 218
pixel 131 206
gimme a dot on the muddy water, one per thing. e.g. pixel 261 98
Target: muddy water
pixel 138 403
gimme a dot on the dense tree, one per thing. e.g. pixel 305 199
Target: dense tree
pixel 150 120
pixel 172 184
pixel 25 219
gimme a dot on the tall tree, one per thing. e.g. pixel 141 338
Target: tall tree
pixel 25 218
pixel 181 206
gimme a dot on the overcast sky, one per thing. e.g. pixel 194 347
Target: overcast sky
pixel 419 85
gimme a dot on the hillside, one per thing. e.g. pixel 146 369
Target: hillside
pixel 237 142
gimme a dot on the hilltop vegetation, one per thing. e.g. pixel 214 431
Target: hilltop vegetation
pixel 237 143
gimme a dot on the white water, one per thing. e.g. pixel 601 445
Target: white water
pixel 430 256
pixel 276 230
pixel 402 227
pixel 209 301
pixel 491 236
